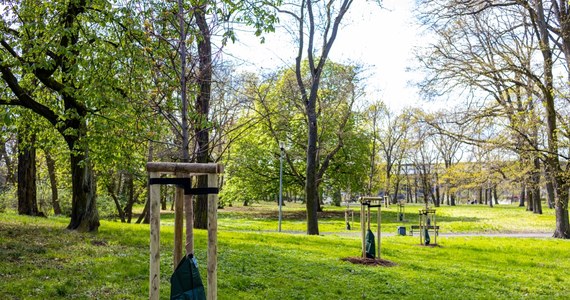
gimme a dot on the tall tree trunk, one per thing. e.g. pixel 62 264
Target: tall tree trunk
pixel 202 107
pixel 550 190
pixel 529 200
pixel 131 198
pixel 396 192
pixel 27 199
pixel 495 196
pixel 50 162
pixel 480 195
pixel 320 202
pixel 114 189
pixel 311 187
pixel 522 195
pixel 562 225
pixel 84 214
pixel 145 215
pixel 436 196
pixel 536 202
pixel 118 206
pixel 561 211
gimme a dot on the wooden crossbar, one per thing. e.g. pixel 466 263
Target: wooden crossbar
pixel 189 168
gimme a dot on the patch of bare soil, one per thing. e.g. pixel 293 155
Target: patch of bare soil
pixel 370 261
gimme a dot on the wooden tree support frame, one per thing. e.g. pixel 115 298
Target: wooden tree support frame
pixel 369 202
pixel 427 223
pixel 183 171
pixel 348 218
pixel 401 216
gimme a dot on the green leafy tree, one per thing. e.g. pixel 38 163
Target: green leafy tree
pixel 71 63
pixel 187 29
pixel 317 24
pixel 277 103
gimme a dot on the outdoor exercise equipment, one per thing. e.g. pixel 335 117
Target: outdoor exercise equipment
pixel 186 270
pixel 367 236
pixel 427 223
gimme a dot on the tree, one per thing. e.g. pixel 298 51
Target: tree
pixel 20 60
pixel 277 114
pixel 50 162
pixel 191 40
pixel 449 149
pixel 331 15
pixel 392 136
pixel 525 25
pixel 72 64
pixel 27 199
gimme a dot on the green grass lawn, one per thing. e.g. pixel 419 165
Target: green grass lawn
pixel 39 259
pixel 456 219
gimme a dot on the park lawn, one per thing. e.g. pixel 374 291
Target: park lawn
pixel 451 219
pixel 39 259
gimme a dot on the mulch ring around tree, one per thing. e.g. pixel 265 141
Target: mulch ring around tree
pixel 430 245
pixel 369 261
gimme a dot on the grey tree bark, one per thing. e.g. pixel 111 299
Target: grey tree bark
pixel 27 197
pixel 50 162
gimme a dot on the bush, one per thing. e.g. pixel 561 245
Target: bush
pixel 8 198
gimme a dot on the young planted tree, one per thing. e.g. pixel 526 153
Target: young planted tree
pixel 189 73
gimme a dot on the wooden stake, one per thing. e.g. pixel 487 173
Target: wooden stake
pixel 154 284
pixel 379 219
pixel 212 292
pixel 178 224
pixel 189 207
pixel 363 230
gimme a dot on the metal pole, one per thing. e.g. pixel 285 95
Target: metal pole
pixel 280 186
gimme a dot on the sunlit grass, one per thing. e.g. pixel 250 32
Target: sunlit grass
pixel 39 259
pixel 456 219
